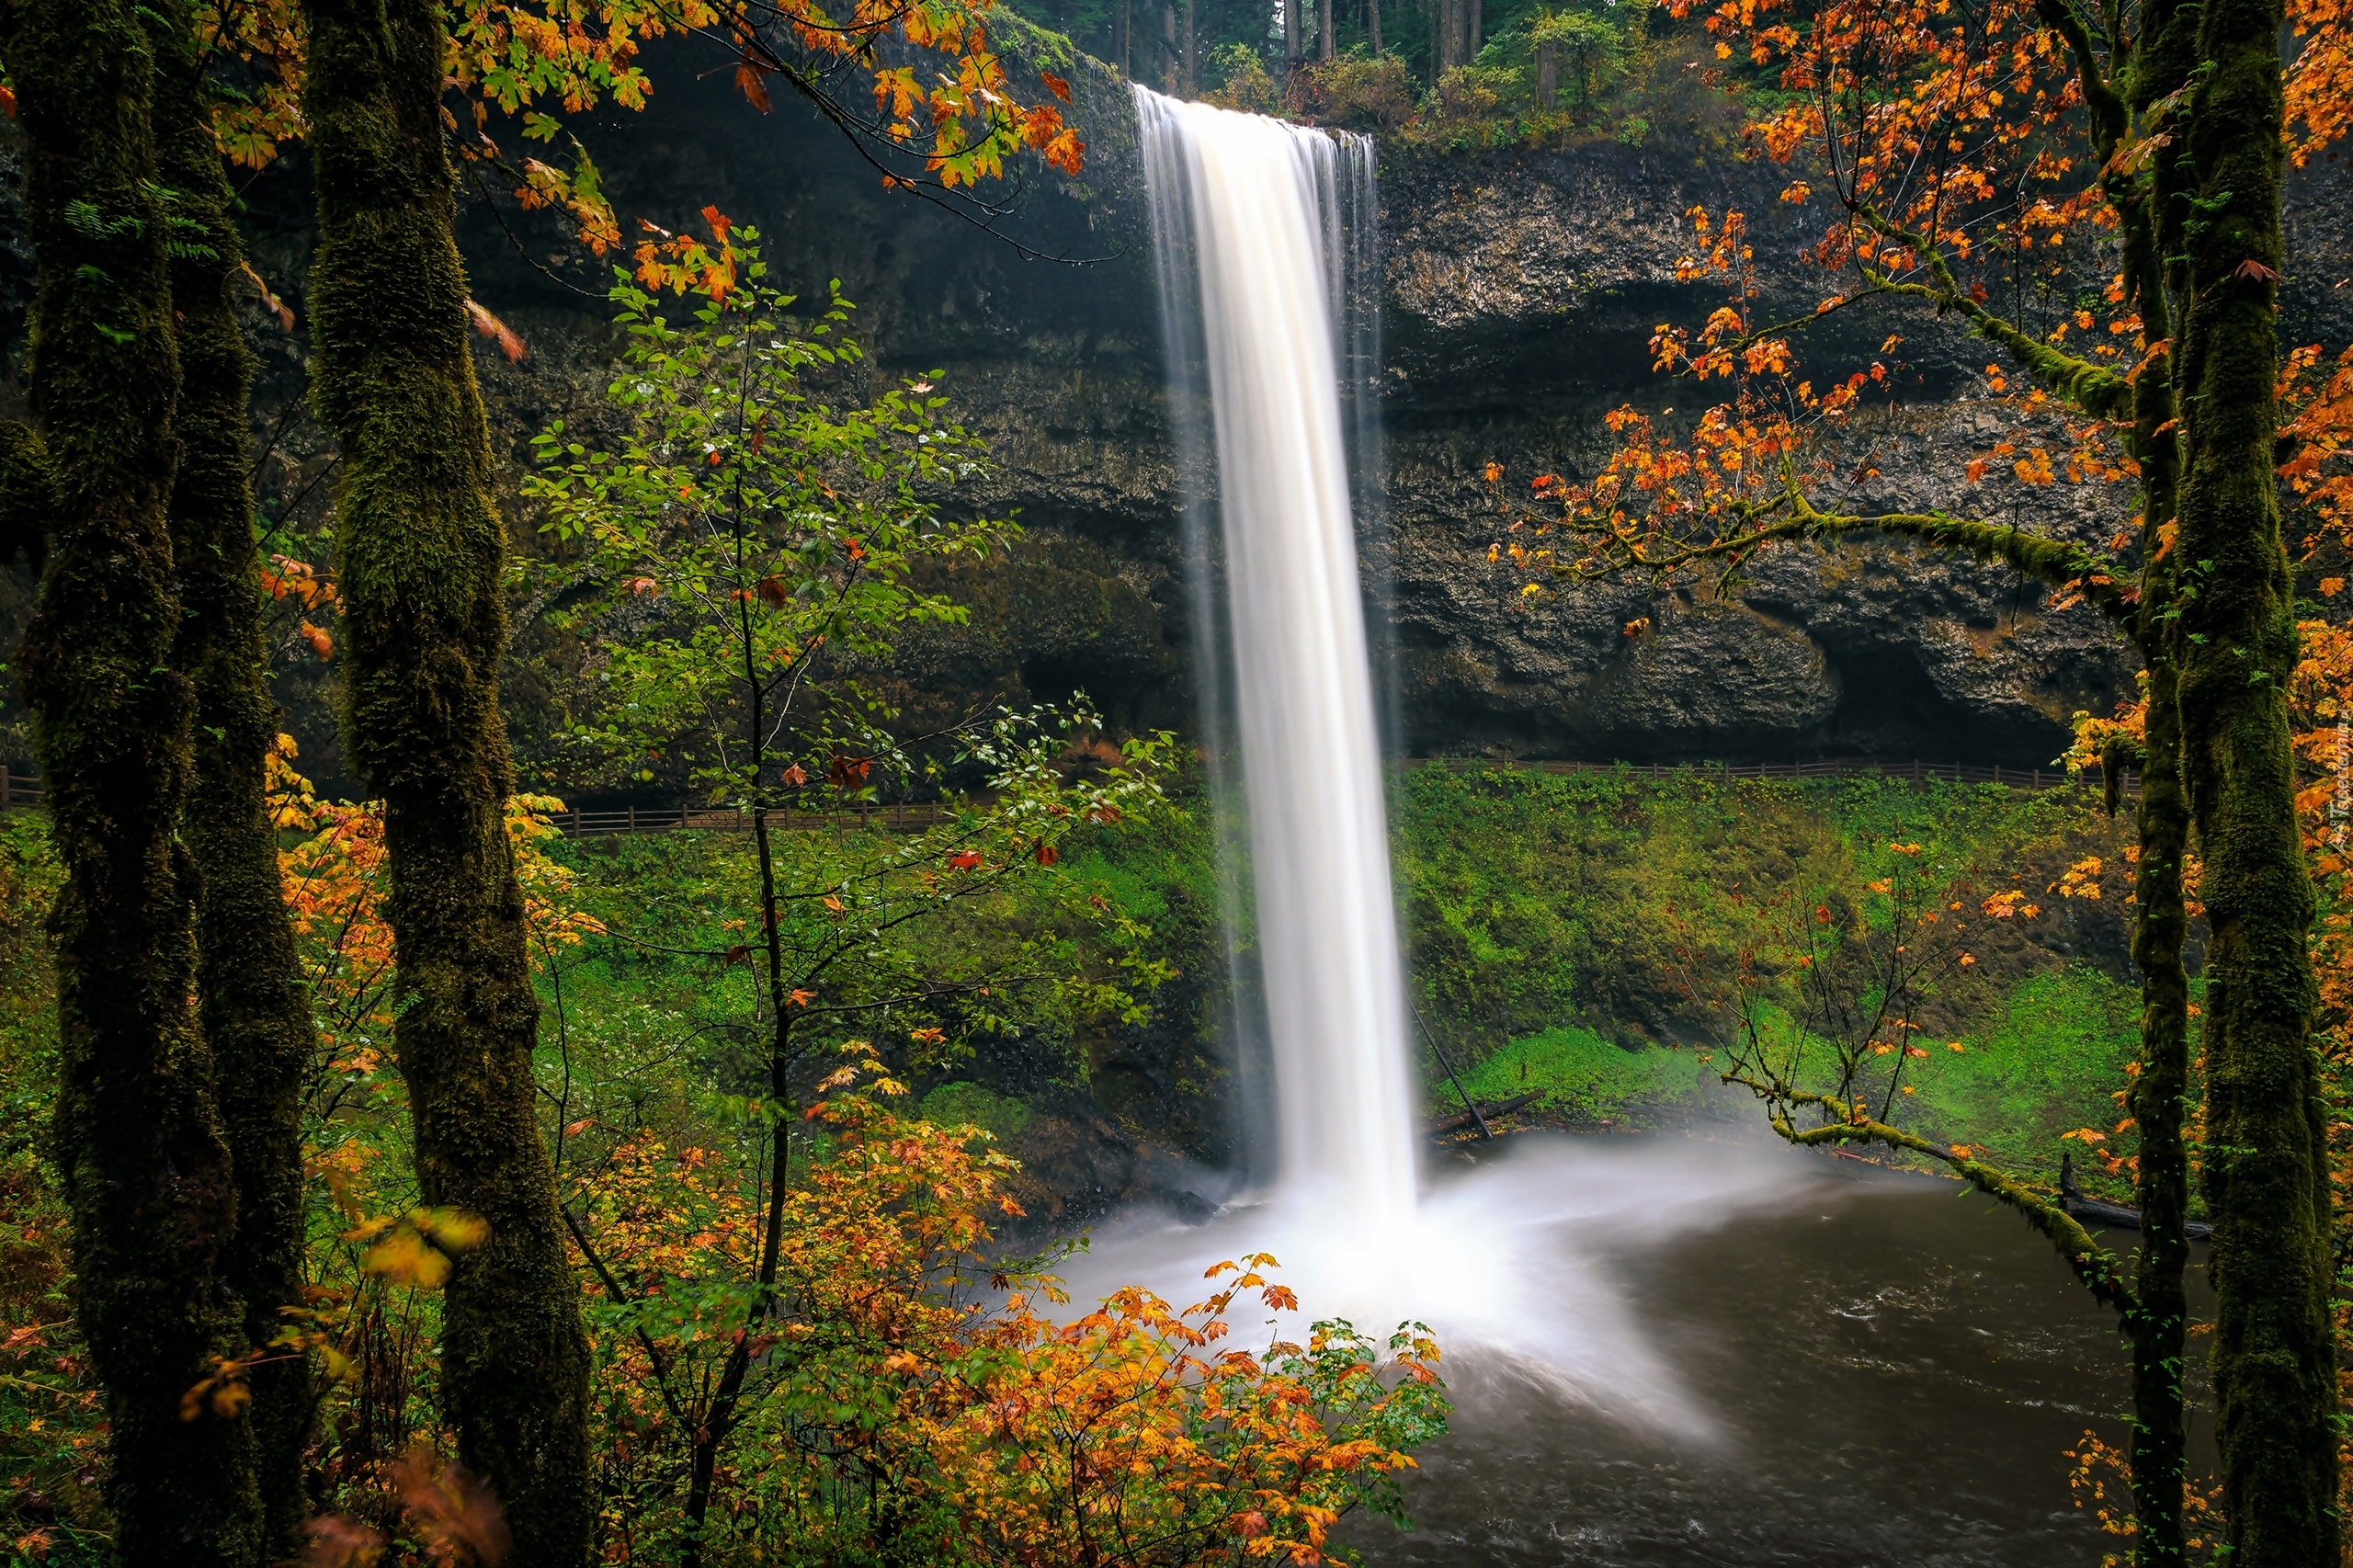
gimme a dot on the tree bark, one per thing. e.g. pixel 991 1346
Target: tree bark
pixel 423 555
pixel 138 1137
pixel 2265 1166
pixel 253 1003
pixel 1548 74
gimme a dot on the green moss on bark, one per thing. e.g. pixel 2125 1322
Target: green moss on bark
pixel 2148 213
pixel 139 1142
pixel 2265 1161
pixel 252 1000
pixel 422 556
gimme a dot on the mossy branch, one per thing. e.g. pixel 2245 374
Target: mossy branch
pixel 2093 388
pixel 2097 1269
pixel 1791 517
pixel 2106 109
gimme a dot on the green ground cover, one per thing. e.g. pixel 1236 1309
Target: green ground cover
pixel 1554 922
pixel 1540 912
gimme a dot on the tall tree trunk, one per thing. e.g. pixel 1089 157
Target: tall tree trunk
pixel 1326 28
pixel 2150 218
pixel 1294 38
pixel 252 1001
pixel 1473 16
pixel 1372 26
pixel 2265 1167
pixel 139 1140
pixel 1192 55
pixel 423 555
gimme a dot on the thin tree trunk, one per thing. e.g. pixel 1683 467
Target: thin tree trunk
pixel 423 554
pixel 1294 39
pixel 1474 15
pixel 1326 25
pixel 138 1137
pixel 253 1004
pixel 1372 26
pixel 1192 53
pixel 718 1419
pixel 2265 1165
pixel 1548 74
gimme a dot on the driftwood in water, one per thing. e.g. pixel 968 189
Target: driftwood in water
pixel 2091 1210
pixel 1461 1119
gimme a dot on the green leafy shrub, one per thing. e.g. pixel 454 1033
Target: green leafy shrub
pixel 1242 80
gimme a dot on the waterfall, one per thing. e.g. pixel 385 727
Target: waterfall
pixel 1263 234
pixel 1258 225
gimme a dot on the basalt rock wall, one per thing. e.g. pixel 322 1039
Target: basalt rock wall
pixel 1520 293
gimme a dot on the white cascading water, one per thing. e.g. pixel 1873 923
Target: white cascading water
pixel 1259 227
pixel 1259 195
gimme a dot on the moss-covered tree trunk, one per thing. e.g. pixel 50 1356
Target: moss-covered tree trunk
pixel 2264 1160
pixel 2160 1094
pixel 138 1138
pixel 423 558
pixel 252 1001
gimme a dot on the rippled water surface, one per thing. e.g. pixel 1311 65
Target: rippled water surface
pixel 1892 1372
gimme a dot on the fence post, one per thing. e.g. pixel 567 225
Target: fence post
pixel 3 787
pixel 682 814
pixel 633 819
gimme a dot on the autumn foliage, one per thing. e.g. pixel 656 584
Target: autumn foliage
pixel 908 1378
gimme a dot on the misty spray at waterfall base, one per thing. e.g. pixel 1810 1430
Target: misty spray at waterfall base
pixel 1263 239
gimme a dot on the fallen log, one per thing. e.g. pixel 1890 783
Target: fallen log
pixel 1461 1119
pixel 2116 1216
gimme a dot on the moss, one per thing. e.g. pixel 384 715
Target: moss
pixel 138 1141
pixel 2265 1170
pixel 958 1105
pixel 253 1001
pixel 1586 1078
pixel 28 495
pixel 422 563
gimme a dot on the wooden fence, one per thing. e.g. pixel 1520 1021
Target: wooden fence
pixel 20 789
pixel 1832 768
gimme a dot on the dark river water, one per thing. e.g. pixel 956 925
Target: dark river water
pixel 1894 1371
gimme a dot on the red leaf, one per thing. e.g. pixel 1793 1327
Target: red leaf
pixel 1055 85
pixel 2255 269
pixel 750 83
pixel 490 326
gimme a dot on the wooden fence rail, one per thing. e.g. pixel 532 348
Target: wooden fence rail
pixel 20 789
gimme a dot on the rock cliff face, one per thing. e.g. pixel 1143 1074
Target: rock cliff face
pixel 1519 294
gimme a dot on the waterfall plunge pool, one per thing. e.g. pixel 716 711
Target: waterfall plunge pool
pixel 1686 1351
